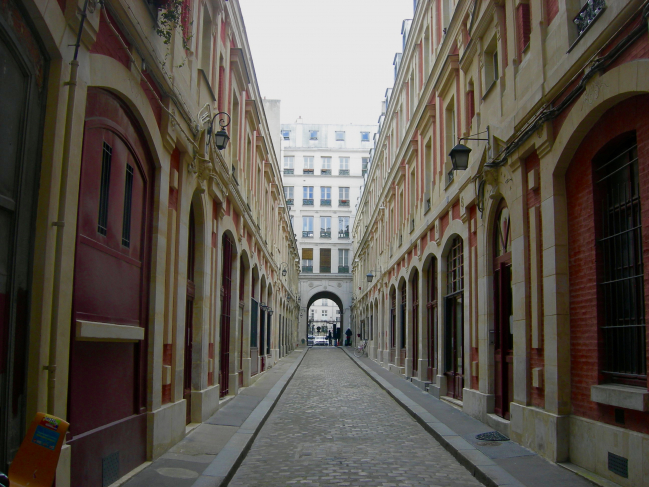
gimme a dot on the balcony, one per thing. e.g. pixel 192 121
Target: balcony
pixel 307 233
pixel 325 269
pixel 325 172
pixel 307 269
pixel 588 14
pixel 307 202
pixel 342 234
pixel 307 171
pixel 289 201
pixel 343 269
pixel 343 202
pixel 325 202
pixel 288 171
pixel 325 233
pixel 343 172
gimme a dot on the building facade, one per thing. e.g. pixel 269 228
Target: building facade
pixel 149 274
pixel 515 288
pixel 323 170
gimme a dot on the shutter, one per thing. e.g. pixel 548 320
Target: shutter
pixel 325 260
pixel 307 254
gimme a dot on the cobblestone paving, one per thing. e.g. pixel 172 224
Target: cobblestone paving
pixel 334 426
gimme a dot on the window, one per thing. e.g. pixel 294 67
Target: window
pixel 313 134
pixel 343 227
pixel 340 136
pixel 325 196
pixel 324 313
pixel 326 165
pixel 337 311
pixel 288 194
pixel 491 64
pixel 286 134
pixel 325 302
pixel 307 226
pixel 343 261
pixel 366 163
pixel 325 260
pixel 524 27
pixel 344 166
pixel 365 136
pixel 621 273
pixel 308 165
pixel 343 194
pixel 307 263
pixel 325 227
pixel 451 139
pixel 307 195
pixel 289 162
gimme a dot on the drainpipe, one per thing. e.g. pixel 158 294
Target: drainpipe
pixel 60 223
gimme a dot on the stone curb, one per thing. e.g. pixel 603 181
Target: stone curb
pixel 484 469
pixel 221 470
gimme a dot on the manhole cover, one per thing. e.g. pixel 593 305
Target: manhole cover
pixel 491 436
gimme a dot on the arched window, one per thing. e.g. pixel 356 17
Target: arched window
pixel 454 322
pixel 431 306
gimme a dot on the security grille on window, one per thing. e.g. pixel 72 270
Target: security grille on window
pixel 621 275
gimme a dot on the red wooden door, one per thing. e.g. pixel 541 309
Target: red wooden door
pixel 393 328
pixel 431 306
pixel 415 323
pixel 189 316
pixel 224 355
pixel 503 317
pixel 107 398
pixel 454 320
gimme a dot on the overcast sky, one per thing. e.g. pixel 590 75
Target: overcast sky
pixel 328 61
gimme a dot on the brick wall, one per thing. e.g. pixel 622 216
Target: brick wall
pixel 628 115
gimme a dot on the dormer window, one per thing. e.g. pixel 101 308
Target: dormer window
pixel 313 135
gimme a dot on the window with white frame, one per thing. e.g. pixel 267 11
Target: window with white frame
pixel 313 134
pixel 307 226
pixel 325 227
pixel 344 162
pixel 365 136
pixel 340 136
pixel 286 134
pixel 325 193
pixel 343 227
pixel 308 164
pixel 326 163
pixel 288 194
pixel 343 261
pixel 343 194
pixel 307 192
pixel 289 162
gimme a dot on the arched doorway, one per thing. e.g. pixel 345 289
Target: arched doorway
pixel 107 398
pixel 226 303
pixel 454 319
pixel 431 317
pixel 503 312
pixel 414 286
pixel 189 314
pixel 393 326
pixel 333 320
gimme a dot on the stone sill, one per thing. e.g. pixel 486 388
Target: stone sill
pixel 93 331
pixel 621 396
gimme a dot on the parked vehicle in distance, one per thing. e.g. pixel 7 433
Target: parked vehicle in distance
pixel 309 340
pixel 321 341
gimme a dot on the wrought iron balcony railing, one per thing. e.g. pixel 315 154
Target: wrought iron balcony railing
pixel 307 233
pixel 325 202
pixel 343 269
pixel 343 234
pixel 343 172
pixel 307 268
pixel 307 171
pixel 289 201
pixel 587 15
pixel 307 201
pixel 288 171
pixel 325 172
pixel 325 269
pixel 325 233
pixel 343 202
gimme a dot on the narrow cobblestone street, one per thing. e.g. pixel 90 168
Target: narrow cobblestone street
pixel 334 426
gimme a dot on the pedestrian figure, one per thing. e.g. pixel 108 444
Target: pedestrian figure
pixel 349 333
pixel 330 337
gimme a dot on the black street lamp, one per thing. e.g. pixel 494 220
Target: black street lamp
pixel 460 153
pixel 221 138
